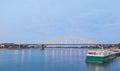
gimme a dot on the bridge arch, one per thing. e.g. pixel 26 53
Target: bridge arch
pixel 87 41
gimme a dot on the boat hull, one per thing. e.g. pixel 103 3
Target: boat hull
pixel 100 59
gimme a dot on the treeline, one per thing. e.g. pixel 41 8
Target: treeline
pixel 118 45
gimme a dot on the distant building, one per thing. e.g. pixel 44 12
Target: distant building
pixel 2 46
pixel 8 44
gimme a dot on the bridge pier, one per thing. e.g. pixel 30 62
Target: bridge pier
pixel 42 47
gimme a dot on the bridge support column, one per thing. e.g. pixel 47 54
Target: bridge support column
pixel 42 47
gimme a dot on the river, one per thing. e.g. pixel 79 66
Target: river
pixel 52 59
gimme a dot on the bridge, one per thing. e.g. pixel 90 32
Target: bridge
pixel 74 41
pixel 68 41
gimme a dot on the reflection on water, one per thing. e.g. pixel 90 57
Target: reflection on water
pixel 51 59
pixel 96 67
pixel 70 54
pixel 62 54
pixel 109 66
pixel 22 56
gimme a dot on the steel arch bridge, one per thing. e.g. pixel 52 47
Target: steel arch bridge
pixel 70 41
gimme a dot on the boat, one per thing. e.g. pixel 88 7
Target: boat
pixel 100 55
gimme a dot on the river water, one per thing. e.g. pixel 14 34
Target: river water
pixel 51 59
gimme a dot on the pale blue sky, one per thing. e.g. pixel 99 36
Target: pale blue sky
pixel 38 21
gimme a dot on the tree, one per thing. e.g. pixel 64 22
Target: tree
pixel 118 45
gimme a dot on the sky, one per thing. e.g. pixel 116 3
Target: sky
pixel 40 21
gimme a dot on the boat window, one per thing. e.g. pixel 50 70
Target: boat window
pixel 91 53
